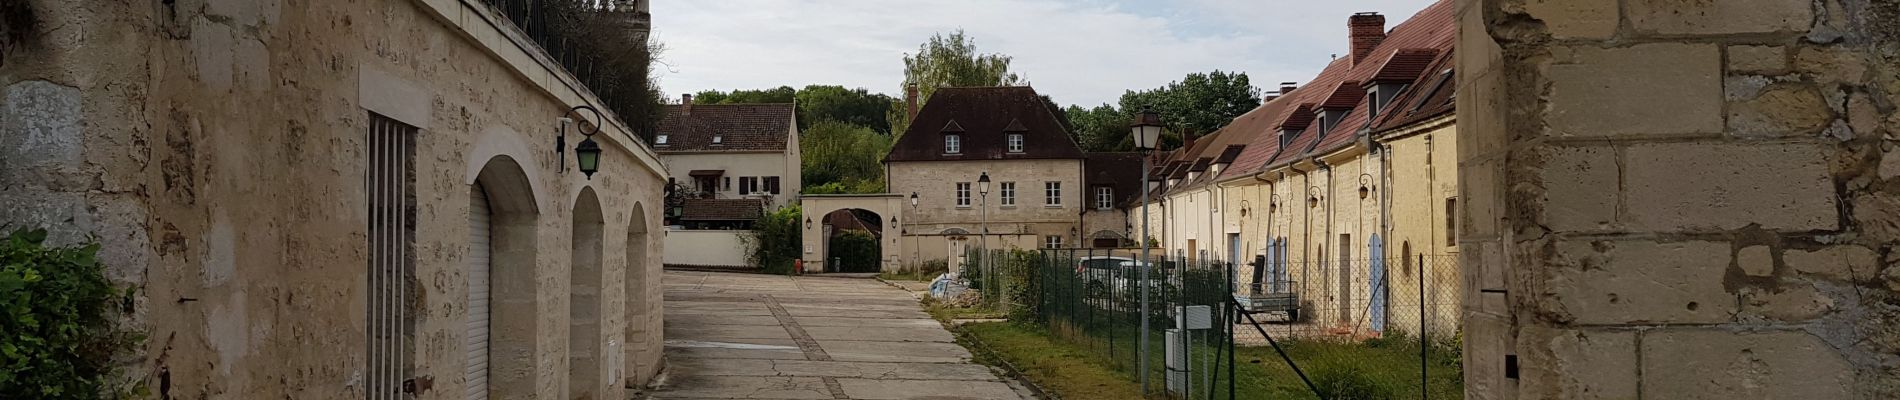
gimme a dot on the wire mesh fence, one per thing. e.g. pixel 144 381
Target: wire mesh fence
pixel 1358 329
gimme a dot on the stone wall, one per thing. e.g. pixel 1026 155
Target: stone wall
pixel 217 149
pixel 1680 199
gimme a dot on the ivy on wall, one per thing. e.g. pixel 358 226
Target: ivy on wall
pixel 58 321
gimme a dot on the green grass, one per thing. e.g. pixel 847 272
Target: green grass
pixel 946 313
pixel 1070 371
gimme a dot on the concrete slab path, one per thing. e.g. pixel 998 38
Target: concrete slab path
pixel 744 336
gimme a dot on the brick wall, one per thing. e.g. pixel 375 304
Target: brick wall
pixel 1680 199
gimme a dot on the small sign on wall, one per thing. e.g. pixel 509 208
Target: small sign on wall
pixel 808 249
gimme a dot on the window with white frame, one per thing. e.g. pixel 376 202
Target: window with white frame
pixel 1104 197
pixel 963 194
pixel 1015 142
pixel 952 144
pixel 1052 194
pixel 1008 190
pixel 1052 241
pixel 660 139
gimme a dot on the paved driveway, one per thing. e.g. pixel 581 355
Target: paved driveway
pixel 742 336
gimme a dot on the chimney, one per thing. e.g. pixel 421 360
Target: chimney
pixel 1368 29
pixel 686 103
pixel 1187 138
pixel 910 102
pixel 1286 88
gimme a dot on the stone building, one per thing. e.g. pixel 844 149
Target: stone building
pixel 1680 199
pixel 1040 194
pixel 1327 182
pixel 337 200
pixel 729 164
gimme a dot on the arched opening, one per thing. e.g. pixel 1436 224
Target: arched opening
pixel 1106 239
pixel 641 321
pixel 500 331
pixel 584 365
pixel 854 240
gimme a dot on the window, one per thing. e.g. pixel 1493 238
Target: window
pixel 963 194
pixel 1451 221
pixel 952 144
pixel 1015 142
pixel 1008 190
pixel 1052 241
pixel 771 184
pixel 1104 197
pixel 748 185
pixel 661 140
pixel 1052 194
pixel 727 185
pixel 391 183
pixel 718 139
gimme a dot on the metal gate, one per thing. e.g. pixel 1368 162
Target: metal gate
pixel 389 184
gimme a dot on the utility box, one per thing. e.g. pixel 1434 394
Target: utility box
pixel 1177 365
pixel 1194 317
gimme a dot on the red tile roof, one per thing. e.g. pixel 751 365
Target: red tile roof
pixel 1432 94
pixel 741 128
pixel 1119 170
pixel 722 209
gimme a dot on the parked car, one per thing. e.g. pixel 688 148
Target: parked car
pixel 1104 274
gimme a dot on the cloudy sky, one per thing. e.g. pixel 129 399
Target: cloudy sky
pixel 1078 51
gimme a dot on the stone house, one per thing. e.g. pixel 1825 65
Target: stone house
pixel 1041 190
pixel 729 163
pixel 1310 182
pixel 339 199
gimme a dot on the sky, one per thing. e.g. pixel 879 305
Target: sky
pixel 1083 52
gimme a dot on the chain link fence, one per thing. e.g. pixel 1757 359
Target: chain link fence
pixel 1343 329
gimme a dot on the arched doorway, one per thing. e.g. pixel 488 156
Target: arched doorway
pixel 584 365
pixel 640 321
pixel 854 240
pixel 501 276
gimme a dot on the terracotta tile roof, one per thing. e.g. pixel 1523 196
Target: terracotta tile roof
pixel 1119 170
pixel 1405 66
pixel 1432 95
pixel 982 114
pixel 1433 29
pixel 1228 155
pixel 722 209
pixel 741 127
pixel 1201 164
pixel 1345 96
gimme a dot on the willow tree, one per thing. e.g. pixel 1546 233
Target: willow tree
pixel 949 61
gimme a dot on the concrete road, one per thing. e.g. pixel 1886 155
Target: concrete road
pixel 742 336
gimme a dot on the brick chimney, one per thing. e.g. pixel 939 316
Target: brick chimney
pixel 910 102
pixel 686 103
pixel 1286 88
pixel 1368 29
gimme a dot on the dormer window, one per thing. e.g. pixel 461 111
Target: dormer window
pixel 1286 137
pixel 953 144
pixel 717 139
pixel 660 140
pixel 1015 142
pixel 1381 96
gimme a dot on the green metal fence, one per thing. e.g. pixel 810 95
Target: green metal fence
pixel 1092 297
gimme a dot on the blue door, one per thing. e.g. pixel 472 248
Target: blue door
pixel 1378 284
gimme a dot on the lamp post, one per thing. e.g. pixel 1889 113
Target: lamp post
pixel 983 238
pixel 1146 131
pixel 915 267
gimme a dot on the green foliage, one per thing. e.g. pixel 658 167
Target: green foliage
pixel 781 94
pixel 842 158
pixel 949 61
pixel 817 103
pixel 58 334
pixel 1201 101
pixel 602 40
pixel 856 251
pixel 1351 381
pixel 776 241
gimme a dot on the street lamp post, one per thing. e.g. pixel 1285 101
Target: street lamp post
pixel 915 253
pixel 983 238
pixel 1146 131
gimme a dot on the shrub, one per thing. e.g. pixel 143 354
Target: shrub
pixel 58 321
pixel 1349 381
pixel 856 251
pixel 776 241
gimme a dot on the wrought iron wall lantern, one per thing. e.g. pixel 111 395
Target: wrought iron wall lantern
pixel 587 153
pixel 1313 200
pixel 1366 187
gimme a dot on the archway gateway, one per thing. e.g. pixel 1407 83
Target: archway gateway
pixel 888 207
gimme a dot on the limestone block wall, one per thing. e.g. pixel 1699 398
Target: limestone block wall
pixel 1680 199
pixel 217 149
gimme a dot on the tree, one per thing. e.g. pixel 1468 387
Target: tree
pixel 843 158
pixel 1102 128
pixel 949 61
pixel 1203 102
pixel 619 73
pixel 852 106
pixel 781 94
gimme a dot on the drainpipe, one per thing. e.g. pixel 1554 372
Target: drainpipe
pixel 1326 240
pixel 1306 229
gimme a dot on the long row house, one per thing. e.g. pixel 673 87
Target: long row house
pixel 1340 193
